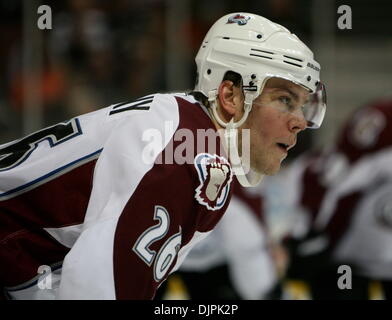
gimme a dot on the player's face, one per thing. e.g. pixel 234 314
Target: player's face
pixel 274 122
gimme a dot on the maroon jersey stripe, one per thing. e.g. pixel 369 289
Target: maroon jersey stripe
pixel 24 245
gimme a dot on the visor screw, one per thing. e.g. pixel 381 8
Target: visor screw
pixel 253 76
pixel 209 71
pixel 309 78
pixel 259 36
pixel 317 83
pixel 250 83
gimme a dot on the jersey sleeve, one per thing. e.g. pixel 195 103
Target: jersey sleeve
pixel 133 227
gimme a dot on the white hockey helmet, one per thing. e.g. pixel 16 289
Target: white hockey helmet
pixel 257 49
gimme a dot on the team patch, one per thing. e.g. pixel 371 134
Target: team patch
pixel 240 19
pixel 215 176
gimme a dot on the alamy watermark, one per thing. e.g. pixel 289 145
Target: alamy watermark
pixel 45 278
pixel 345 280
pixel 184 145
pixel 45 17
pixel 345 21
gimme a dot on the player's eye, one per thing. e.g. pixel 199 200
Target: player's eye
pixel 287 102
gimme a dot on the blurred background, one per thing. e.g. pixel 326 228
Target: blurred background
pixel 102 52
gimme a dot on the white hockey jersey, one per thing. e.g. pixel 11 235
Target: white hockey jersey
pixel 111 200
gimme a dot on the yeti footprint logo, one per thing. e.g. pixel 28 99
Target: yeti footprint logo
pixel 215 177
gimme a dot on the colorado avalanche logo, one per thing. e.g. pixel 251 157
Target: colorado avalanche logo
pixel 215 176
pixel 239 18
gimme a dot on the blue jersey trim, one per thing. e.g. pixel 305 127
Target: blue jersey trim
pixel 46 176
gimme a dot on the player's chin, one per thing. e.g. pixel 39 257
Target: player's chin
pixel 272 170
pixel 275 166
pixel 268 169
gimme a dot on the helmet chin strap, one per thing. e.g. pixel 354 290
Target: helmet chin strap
pixel 245 175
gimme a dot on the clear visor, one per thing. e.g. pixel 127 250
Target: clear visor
pixel 314 109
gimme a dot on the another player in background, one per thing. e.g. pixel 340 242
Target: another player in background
pixel 113 200
pixel 343 202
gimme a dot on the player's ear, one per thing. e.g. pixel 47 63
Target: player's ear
pixel 230 99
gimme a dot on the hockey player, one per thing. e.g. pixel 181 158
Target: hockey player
pixel 106 205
